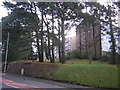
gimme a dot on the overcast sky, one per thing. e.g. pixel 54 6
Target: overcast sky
pixel 2 10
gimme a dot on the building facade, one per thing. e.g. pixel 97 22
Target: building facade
pixel 70 44
pixel 88 41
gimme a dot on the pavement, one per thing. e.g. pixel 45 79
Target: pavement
pixel 29 83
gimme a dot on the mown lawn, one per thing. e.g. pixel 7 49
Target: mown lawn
pixel 93 75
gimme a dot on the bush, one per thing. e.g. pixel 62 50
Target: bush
pixel 105 58
pixel 73 55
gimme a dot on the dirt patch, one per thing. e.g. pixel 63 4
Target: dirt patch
pixel 35 69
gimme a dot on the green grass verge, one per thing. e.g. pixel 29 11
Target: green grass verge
pixel 93 75
pixel 98 74
pixel 85 61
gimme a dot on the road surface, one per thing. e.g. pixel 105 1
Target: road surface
pixel 17 81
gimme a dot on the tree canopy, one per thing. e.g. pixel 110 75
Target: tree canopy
pixel 44 25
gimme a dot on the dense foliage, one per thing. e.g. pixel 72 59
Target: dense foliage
pixel 44 26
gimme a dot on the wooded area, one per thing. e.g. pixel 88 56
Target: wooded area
pixel 44 25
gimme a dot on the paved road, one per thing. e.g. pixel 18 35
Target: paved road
pixel 4 87
pixel 17 81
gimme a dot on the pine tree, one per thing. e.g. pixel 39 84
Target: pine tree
pixel 18 24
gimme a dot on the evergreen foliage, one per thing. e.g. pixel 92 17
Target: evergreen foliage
pixel 45 24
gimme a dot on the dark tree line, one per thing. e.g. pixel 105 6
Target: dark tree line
pixel 44 25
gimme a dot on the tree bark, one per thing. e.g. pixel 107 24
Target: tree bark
pixel 46 51
pixel 59 45
pixel 53 37
pixel 37 37
pixel 42 36
pixel 80 43
pixel 63 41
pixel 113 43
pixel 100 42
pixel 38 45
pixel 86 43
pixel 48 37
pixel 94 42
pixel 86 32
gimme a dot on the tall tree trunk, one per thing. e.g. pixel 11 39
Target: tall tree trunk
pixel 86 35
pixel 118 61
pixel 94 42
pixel 46 51
pixel 49 50
pixel 48 37
pixel 113 43
pixel 38 45
pixel 36 31
pixel 100 41
pixel 53 37
pixel 59 45
pixel 89 46
pixel 86 43
pixel 113 46
pixel 80 44
pixel 48 33
pixel 63 40
pixel 42 36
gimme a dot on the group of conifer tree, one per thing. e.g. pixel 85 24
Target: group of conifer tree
pixel 44 25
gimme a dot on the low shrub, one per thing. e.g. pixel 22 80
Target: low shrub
pixel 73 55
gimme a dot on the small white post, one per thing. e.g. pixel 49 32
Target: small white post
pixel 6 53
pixel 22 72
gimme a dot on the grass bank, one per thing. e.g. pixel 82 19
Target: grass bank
pixel 101 76
pixel 97 74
